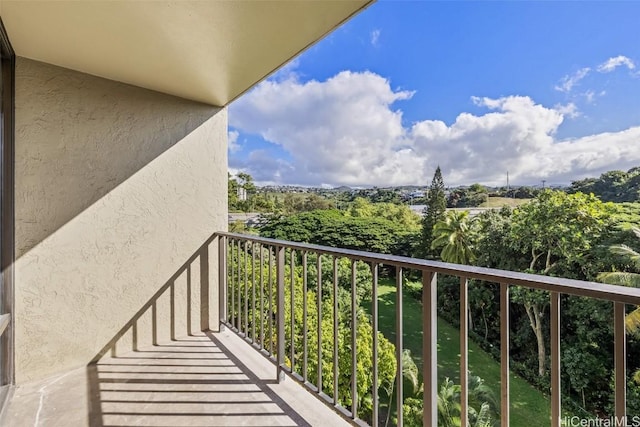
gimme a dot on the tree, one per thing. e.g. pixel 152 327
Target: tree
pixel 624 278
pixel 433 212
pixel 245 181
pixel 580 365
pixel 232 193
pixel 470 197
pixel 262 320
pixel 555 229
pixel 314 202
pixel 477 188
pixel 332 228
pixel 410 375
pixel 399 214
pixel 262 203
pixel 612 186
pixel 454 235
pixel 449 407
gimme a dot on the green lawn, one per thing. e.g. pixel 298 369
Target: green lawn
pixel 528 406
pixel 498 202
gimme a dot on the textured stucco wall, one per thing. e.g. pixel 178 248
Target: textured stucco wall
pixel 116 187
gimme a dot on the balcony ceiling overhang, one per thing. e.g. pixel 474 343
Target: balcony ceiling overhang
pixel 207 51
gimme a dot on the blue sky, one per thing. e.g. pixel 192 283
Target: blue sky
pixel 543 90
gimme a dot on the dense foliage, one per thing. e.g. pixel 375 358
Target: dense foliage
pixel 564 234
pixel 334 228
pixel 258 324
pixel 561 235
pixel 612 186
pixel 469 197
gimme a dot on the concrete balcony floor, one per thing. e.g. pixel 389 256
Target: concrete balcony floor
pixel 205 380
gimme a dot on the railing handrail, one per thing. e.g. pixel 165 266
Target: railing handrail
pixel 534 281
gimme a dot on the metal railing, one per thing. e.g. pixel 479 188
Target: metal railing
pixel 253 302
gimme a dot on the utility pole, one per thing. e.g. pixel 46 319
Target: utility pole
pixel 507 183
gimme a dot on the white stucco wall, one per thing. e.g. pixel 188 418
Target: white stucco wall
pixel 116 187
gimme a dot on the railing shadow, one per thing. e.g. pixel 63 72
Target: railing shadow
pixel 206 384
pixel 131 330
pixel 165 367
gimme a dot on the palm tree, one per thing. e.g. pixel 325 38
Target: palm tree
pixel 410 374
pixel 454 234
pixel 481 395
pixel 449 404
pixel 449 408
pixel 483 419
pixel 624 278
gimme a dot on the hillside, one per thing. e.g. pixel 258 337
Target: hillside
pixel 612 186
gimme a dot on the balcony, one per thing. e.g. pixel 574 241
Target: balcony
pixel 262 367
pixel 206 379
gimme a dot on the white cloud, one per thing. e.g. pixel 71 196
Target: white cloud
pixel 612 63
pixel 346 131
pixel 347 117
pixel 375 36
pixel 569 81
pixel 570 110
pixel 232 138
pixel 590 96
pixel 287 72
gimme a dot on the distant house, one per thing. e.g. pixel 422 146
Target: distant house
pixel 242 193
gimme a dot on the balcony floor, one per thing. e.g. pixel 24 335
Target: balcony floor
pixel 204 380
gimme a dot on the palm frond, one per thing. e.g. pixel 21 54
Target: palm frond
pixel 483 418
pixel 410 370
pixel 449 404
pixel 626 251
pixel 632 322
pixel 621 278
pixel 479 392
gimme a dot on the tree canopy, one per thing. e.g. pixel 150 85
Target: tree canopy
pixel 399 214
pixel 612 186
pixel 558 227
pixel 332 228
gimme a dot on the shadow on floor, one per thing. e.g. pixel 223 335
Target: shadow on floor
pixel 195 381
